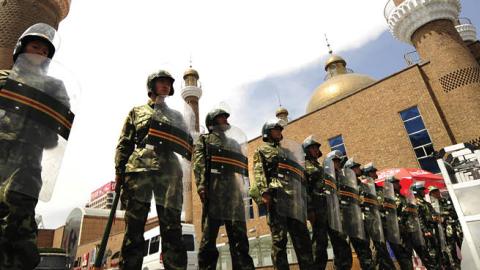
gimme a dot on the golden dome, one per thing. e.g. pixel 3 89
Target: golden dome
pixel 334 59
pixel 191 71
pixel 280 111
pixel 337 87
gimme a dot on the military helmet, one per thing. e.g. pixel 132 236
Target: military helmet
pixel 392 179
pixel 157 75
pixel 417 187
pixel 432 188
pixel 271 124
pixel 209 120
pixel 369 167
pixel 351 163
pixel 309 141
pixel 336 154
pixel 40 31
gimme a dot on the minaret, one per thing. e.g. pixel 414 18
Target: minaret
pixel 282 113
pixel 17 15
pixel 191 93
pixel 452 73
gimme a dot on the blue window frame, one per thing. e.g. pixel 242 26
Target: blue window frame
pixel 419 138
pixel 262 210
pixel 336 143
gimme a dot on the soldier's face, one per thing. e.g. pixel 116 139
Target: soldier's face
pixel 357 170
pixel 373 174
pixel 276 134
pixel 396 186
pixel 337 164
pixel 37 46
pixel 221 120
pixel 435 194
pixel 163 86
pixel 314 151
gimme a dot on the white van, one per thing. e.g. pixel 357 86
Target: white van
pixel 152 259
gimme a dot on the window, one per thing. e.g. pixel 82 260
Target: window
pixel 419 138
pixel 262 210
pixel 336 143
pixel 154 245
pixel 248 207
pixel 189 242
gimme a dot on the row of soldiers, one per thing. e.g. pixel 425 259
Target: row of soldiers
pixel 339 199
pixel 344 203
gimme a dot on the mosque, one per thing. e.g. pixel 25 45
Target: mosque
pixel 397 121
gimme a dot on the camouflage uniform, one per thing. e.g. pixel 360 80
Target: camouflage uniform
pixel 222 184
pixel 362 247
pixel 21 167
pixel 145 172
pixel 403 254
pixel 452 227
pixel 382 257
pixel 317 206
pixel 428 225
pixel 265 168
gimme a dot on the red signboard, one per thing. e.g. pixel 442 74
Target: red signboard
pixel 110 186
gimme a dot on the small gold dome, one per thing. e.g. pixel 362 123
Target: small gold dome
pixel 280 111
pixel 337 87
pixel 334 59
pixel 191 71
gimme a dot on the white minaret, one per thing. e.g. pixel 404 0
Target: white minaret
pixel 191 93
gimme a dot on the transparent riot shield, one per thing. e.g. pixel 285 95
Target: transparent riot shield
pixel 291 200
pixel 441 234
pixel 228 182
pixel 171 138
pixel 392 229
pixel 37 105
pixel 413 222
pixel 373 221
pixel 331 196
pixel 351 213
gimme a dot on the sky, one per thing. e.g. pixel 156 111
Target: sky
pixel 249 54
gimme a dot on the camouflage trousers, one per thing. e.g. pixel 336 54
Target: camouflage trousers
pixel 364 253
pixel 403 256
pixel 237 239
pixel 321 232
pixel 173 249
pixel 279 227
pixel 426 253
pixel 18 228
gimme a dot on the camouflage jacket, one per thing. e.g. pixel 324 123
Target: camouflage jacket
pixel 265 170
pixel 23 138
pixel 402 215
pixel 426 215
pixel 315 185
pixel 199 159
pixel 132 154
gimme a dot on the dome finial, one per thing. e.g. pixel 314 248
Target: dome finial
pixel 328 44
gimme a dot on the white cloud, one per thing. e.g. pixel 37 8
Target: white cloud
pixel 113 45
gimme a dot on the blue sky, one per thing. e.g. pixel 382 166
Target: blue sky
pixel 378 58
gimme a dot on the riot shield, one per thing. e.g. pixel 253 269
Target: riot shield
pixel 333 206
pixel 170 136
pixel 441 234
pixel 228 184
pixel 291 200
pixel 352 221
pixel 413 222
pixel 391 219
pixel 373 221
pixel 37 105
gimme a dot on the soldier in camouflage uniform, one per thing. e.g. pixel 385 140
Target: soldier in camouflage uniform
pixel 401 251
pixel 267 185
pixel 142 171
pixel 382 256
pixel 362 247
pixel 428 225
pixel 226 205
pixel 22 141
pixel 317 212
pixel 452 228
